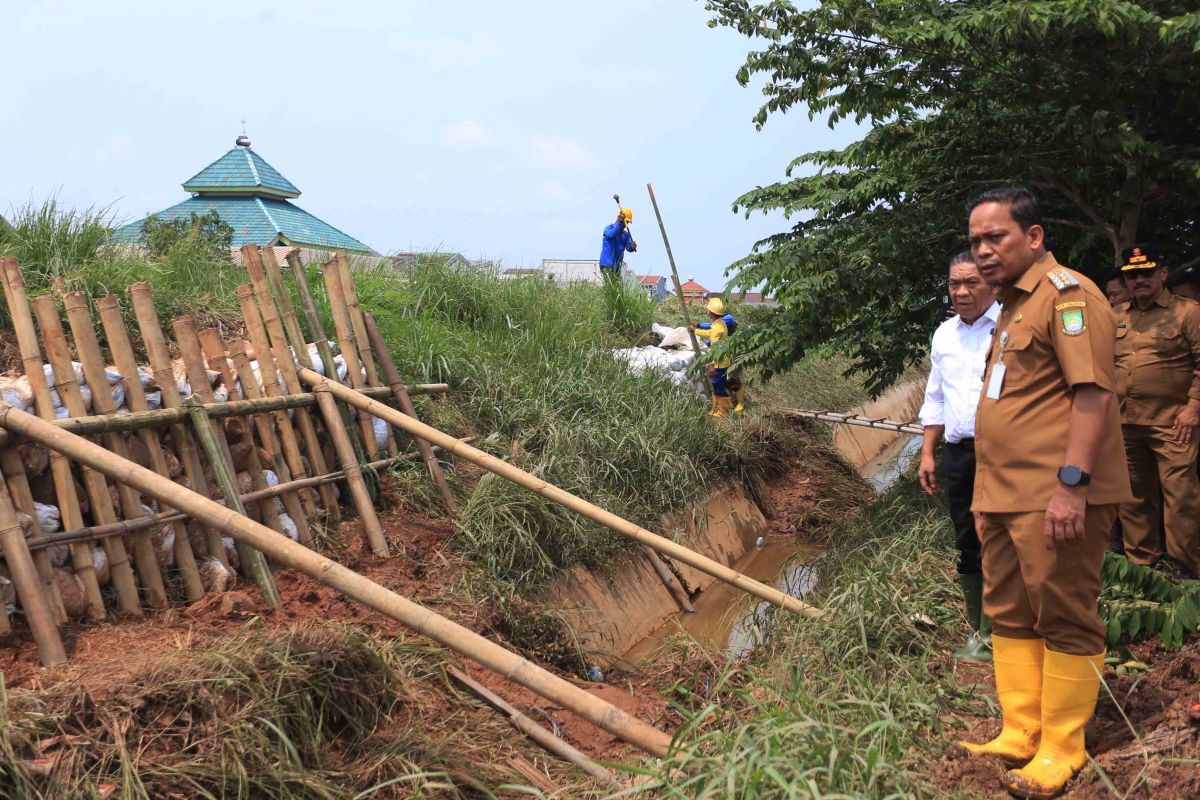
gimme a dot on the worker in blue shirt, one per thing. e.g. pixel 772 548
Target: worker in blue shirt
pixel 617 242
pixel 732 382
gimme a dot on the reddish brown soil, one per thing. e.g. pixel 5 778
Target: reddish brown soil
pixel 1135 755
pixel 423 568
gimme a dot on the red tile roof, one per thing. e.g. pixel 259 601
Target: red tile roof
pixel 650 280
pixel 691 287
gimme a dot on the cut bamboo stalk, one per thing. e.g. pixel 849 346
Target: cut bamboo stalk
pixel 359 327
pixel 214 351
pixel 348 345
pixel 401 394
pixel 87 347
pixel 210 436
pixel 46 311
pixel 29 589
pixel 253 560
pixel 566 499
pixel 354 479
pixel 18 488
pixel 135 395
pixel 292 500
pixel 267 368
pixel 60 469
pixel 536 732
pixel 668 580
pixel 312 317
pixel 164 376
pixel 357 587
pixel 123 527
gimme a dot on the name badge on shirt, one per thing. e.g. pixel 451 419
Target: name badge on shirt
pixel 995 382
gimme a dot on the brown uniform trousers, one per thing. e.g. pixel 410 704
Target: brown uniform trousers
pixel 1055 332
pixel 1158 371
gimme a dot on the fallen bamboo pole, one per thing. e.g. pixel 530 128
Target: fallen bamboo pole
pixel 87 347
pixel 257 331
pixel 122 527
pixel 330 573
pixel 863 422
pixel 18 489
pixel 135 421
pixel 29 589
pixel 537 733
pixel 120 570
pixel 135 396
pixel 172 401
pixel 668 580
pixel 401 394
pixel 60 469
pixel 566 499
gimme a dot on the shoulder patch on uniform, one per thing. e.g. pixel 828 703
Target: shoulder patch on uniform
pixel 1062 279
pixel 1071 315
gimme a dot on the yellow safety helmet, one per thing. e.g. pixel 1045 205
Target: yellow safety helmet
pixel 715 306
pixel 626 214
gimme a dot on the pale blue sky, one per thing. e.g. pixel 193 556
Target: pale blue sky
pixel 497 129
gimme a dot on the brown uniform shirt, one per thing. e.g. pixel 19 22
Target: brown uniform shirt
pixel 1158 359
pixel 1055 332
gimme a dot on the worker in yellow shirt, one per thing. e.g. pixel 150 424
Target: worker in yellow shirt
pixel 722 404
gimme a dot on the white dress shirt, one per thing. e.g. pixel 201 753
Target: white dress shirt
pixel 957 359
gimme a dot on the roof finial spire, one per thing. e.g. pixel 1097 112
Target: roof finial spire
pixel 243 140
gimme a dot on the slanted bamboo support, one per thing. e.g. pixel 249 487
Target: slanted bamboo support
pixel 257 331
pixel 135 395
pixel 348 346
pixel 312 318
pixel 357 587
pixel 354 479
pixel 87 347
pixel 60 468
pixel 564 498
pixel 29 590
pixel 400 392
pixel 18 488
pixel 164 376
pixel 46 311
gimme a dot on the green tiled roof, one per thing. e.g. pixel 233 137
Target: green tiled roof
pixel 256 220
pixel 241 171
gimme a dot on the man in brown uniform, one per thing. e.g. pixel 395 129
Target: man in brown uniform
pixel 1050 472
pixel 1158 382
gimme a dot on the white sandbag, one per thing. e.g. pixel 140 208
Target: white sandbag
pixel 59 554
pixel 70 588
pixel 343 371
pixel 75 366
pixel 8 592
pixel 100 562
pixel 163 538
pixel 118 395
pixel 146 378
pixel 231 551
pixel 16 392
pixel 154 400
pixel 220 393
pixel 672 337
pixel 289 527
pixel 215 576
pixel 49 518
pixel 380 429
pixel 270 477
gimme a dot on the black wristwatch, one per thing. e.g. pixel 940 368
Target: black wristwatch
pixel 1071 475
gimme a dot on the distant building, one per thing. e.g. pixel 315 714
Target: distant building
pixel 693 292
pixel 513 273
pixel 253 198
pixel 577 270
pixel 655 287
pixel 754 299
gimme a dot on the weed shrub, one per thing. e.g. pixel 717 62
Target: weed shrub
pixel 1137 603
pixel 847 706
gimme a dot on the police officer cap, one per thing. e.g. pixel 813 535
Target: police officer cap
pixel 1147 255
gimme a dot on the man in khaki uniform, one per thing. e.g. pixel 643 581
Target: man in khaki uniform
pixel 1158 382
pixel 1050 472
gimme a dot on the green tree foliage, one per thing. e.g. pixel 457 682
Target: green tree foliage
pixel 205 232
pixel 1094 104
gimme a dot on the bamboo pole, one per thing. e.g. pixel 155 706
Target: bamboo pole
pixel 83 331
pixel 60 468
pixel 668 580
pixel 312 318
pixel 46 311
pixel 348 346
pixel 566 499
pixel 29 590
pixel 354 479
pixel 214 350
pixel 359 327
pixel 292 501
pixel 211 438
pixel 329 573
pixel 401 394
pixel 256 330
pixel 18 488
pixel 122 527
pixel 537 733
pixel 135 395
pixel 164 375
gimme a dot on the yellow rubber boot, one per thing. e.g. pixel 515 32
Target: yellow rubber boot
pixel 721 406
pixel 739 397
pixel 1018 664
pixel 1070 685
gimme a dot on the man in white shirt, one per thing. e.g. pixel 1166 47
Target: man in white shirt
pixel 957 359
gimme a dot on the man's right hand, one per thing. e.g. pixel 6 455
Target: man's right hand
pixel 927 472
